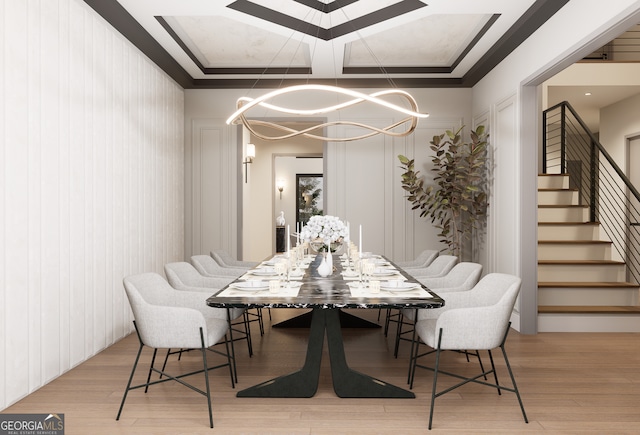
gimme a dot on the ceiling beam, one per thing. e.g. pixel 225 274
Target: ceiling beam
pixel 123 22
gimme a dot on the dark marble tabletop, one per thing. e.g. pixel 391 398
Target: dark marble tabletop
pixel 330 292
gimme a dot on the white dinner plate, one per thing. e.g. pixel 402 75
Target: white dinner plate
pixel 250 286
pixel 380 262
pixel 384 272
pixel 399 286
pixel 274 260
pixel 265 271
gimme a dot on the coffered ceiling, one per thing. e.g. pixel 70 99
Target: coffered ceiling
pixel 360 43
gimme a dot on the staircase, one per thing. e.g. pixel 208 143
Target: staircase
pixel 580 287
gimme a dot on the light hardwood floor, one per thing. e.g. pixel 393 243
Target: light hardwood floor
pixel 571 383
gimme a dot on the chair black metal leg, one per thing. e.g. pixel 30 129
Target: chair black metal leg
pixel 233 348
pixel 153 361
pixel 387 319
pixel 435 379
pixel 226 345
pixel 513 381
pixel 495 373
pixel 206 377
pixel 166 358
pixel 413 357
pixel 247 332
pixel 398 333
pixel 133 371
pixel 260 321
pixel 177 378
pixel 480 362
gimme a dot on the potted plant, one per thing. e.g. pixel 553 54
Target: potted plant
pixel 457 202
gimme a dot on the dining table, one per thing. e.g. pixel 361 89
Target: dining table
pixel 304 288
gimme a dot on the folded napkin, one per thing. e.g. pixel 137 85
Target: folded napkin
pixel 349 275
pixel 296 276
pixel 290 291
pixel 358 291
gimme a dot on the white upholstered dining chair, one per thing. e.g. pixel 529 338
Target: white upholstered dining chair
pixel 223 258
pixel 209 269
pixel 165 318
pixel 440 266
pixel 207 266
pixel 422 260
pixel 183 276
pixel 478 319
pixel 463 277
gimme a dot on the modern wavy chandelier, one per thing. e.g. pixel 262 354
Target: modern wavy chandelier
pixel 403 127
pixel 245 103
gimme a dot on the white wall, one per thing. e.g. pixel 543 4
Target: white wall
pixel 262 202
pixel 597 76
pixel 508 94
pixel 363 177
pixel 618 122
pixel 91 186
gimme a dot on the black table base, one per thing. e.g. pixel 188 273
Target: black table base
pixel 346 321
pixel 346 382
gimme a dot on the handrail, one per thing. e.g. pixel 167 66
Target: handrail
pixel 597 143
pixel 569 147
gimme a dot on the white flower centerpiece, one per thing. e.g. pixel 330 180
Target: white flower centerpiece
pixel 325 235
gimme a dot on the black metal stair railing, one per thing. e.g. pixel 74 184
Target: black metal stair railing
pixel 569 147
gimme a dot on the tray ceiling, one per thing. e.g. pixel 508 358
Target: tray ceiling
pixel 261 43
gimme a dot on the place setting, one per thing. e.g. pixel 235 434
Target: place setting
pixel 262 288
pixel 391 288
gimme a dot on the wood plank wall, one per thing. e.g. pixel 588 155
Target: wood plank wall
pixel 91 186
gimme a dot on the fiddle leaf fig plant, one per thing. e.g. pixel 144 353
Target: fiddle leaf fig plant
pixel 457 201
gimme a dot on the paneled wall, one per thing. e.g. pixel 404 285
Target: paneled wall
pixel 363 178
pixel 91 186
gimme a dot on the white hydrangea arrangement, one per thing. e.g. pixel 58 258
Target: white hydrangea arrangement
pixel 328 231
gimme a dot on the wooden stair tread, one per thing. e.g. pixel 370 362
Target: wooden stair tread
pixel 589 284
pixel 544 174
pixel 575 242
pixel 585 309
pixel 557 189
pixel 580 262
pixel 562 206
pixel 568 223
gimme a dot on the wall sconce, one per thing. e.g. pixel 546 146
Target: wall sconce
pixel 280 186
pixel 251 154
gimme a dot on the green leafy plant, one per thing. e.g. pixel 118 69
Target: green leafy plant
pixel 457 203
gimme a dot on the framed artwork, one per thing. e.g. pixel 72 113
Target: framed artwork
pixel 308 197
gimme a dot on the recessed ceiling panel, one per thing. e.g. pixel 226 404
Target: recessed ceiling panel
pixel 337 19
pixel 436 40
pixel 222 43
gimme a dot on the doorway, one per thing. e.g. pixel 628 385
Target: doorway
pixel 274 167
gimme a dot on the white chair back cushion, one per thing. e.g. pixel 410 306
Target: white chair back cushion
pixel 185 276
pixel 207 266
pixel 464 276
pixel 479 320
pixel 159 323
